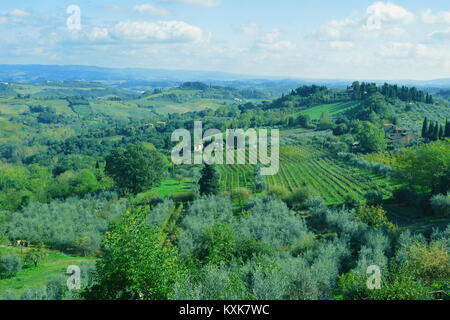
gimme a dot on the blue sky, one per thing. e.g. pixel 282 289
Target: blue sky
pixel 346 39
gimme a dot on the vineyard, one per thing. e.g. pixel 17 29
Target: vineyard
pixel 303 166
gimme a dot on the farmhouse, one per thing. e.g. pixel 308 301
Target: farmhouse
pixel 398 135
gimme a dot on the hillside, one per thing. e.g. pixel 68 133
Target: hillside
pixel 82 163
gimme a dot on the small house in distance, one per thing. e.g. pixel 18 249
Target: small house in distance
pixel 398 136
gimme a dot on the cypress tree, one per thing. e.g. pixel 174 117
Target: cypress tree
pixel 447 129
pixel 209 182
pixel 436 132
pixel 425 128
pixel 441 132
pixel 430 131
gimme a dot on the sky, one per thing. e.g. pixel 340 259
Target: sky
pixel 324 39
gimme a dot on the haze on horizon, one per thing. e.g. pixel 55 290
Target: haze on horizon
pixel 401 40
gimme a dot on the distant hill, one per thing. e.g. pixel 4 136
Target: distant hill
pixel 140 77
pixel 39 73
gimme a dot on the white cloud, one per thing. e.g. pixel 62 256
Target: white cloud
pixel 380 20
pixel 381 13
pixel 440 35
pixel 19 13
pixel 98 34
pixel 200 3
pixel 432 54
pixel 162 31
pixel 396 49
pixel 2 20
pixel 251 29
pixel 442 17
pixel 271 41
pixel 151 9
pixel 342 45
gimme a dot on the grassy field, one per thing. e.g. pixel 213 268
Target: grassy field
pixel 172 186
pixel 303 166
pixel 54 264
pixel 332 108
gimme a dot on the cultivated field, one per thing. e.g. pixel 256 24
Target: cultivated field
pixel 303 166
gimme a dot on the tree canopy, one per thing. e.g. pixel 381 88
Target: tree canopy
pixel 136 168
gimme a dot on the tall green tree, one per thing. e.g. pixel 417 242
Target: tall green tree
pixel 425 128
pixel 426 168
pixel 136 168
pixel 135 263
pixel 209 182
pixel 435 135
pixel 447 129
pixel 372 138
pixel 441 132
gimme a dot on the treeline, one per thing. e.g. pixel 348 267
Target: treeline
pixel 361 91
pixel 308 96
pixel 75 225
pixel 434 130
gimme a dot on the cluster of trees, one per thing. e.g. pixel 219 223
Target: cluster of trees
pixel 434 130
pixel 426 168
pixel 74 224
pixel 267 253
pixel 307 96
pixel 361 91
pixel 21 185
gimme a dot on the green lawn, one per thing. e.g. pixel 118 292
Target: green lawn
pixel 172 186
pixel 54 264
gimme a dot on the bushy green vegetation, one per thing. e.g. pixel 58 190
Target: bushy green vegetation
pixel 84 170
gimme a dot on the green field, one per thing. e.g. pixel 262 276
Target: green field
pixel 303 166
pixel 172 186
pixel 54 264
pixel 332 108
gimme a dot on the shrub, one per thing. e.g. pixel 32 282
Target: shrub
pixel 278 192
pixel 184 197
pixel 272 223
pixel 218 244
pixel 61 224
pixel 160 212
pixel 430 262
pixel 374 216
pixel 374 198
pixel 10 265
pixel 241 196
pixel 441 204
pixel 213 283
pixel 297 199
pixel 396 285
pixel 304 243
pixel 202 214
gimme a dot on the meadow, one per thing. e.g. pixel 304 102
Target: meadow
pixel 54 264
